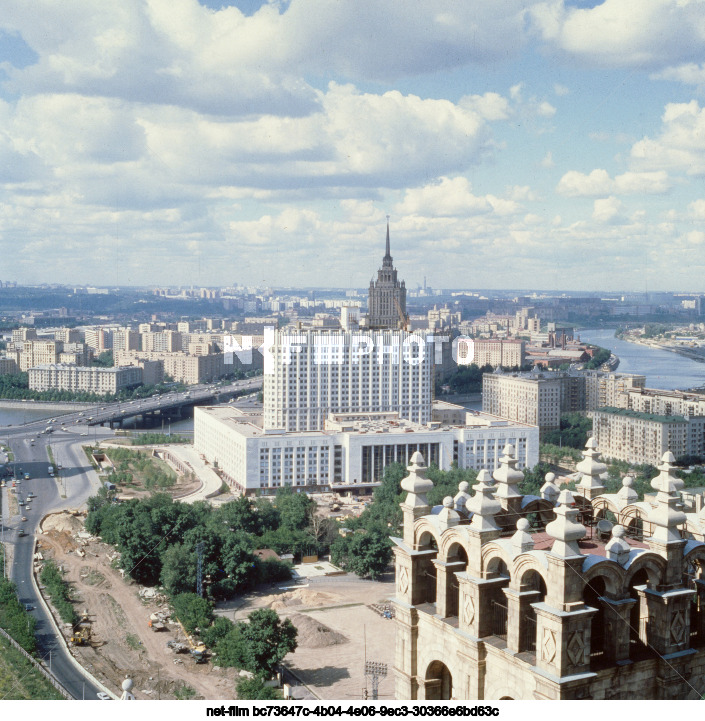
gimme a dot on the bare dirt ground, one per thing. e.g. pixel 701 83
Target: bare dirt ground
pixel 123 644
pixel 338 631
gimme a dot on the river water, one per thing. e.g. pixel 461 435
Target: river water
pixel 662 368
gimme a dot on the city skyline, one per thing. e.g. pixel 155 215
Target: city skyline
pixel 539 145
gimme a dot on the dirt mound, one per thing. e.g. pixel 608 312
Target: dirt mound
pixel 313 634
pixel 305 598
pixel 62 521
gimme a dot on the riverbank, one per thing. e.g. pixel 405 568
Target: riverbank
pixel 67 406
pixel 696 354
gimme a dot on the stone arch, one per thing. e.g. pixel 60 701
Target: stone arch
pixel 633 519
pixel 653 565
pixel 604 508
pixel 522 565
pixel 424 532
pixel 543 509
pixel 495 561
pixel 450 539
pixel 503 690
pixel 438 682
pixel 426 538
pixel 694 564
pixel 448 584
pixel 612 574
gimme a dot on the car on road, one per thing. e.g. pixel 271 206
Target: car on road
pixel 28 607
pixel 26 476
pixel 20 502
pixel 28 508
pixel 21 532
pixel 104 696
pixel 24 518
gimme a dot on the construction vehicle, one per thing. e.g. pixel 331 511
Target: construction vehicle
pixel 81 634
pixel 197 648
pixel 156 622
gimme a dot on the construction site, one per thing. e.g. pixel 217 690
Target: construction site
pixel 127 629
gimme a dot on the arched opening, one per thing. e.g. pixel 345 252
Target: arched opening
pixel 591 597
pixel 438 682
pixel 638 617
pixel 457 563
pixel 533 585
pixel 425 588
pixel 693 577
pixel 497 568
pixel 635 526
pixel 506 698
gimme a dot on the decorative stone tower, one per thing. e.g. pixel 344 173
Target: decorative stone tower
pixel 489 610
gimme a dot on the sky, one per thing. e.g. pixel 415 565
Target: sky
pixel 543 145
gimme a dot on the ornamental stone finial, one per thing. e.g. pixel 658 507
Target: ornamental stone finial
pixel 462 496
pixel 483 505
pixel 591 468
pixel 416 484
pixel 507 475
pixel 617 549
pixel 666 517
pixel 550 490
pixel 627 494
pixel 448 517
pixel 566 528
pixel 522 540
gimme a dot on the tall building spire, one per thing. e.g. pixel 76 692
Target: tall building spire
pixel 387 260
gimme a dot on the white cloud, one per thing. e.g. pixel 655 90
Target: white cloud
pixel 608 210
pixel 452 197
pixel 696 209
pixel 656 33
pixel 561 90
pixel 547 161
pixel 681 143
pixel 598 183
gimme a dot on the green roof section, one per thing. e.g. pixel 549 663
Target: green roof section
pixel 629 413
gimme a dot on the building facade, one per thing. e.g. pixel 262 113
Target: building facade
pixel 351 451
pixel 499 352
pixel 641 438
pixel 76 378
pixel 316 373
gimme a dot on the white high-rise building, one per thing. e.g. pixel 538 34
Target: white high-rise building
pixel 314 373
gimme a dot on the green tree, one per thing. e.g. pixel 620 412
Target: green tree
pixel 193 611
pixel 366 554
pixel 254 689
pixel 264 641
pixel 178 574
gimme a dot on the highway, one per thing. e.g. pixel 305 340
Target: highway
pixel 72 486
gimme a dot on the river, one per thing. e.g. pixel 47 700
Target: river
pixel 662 368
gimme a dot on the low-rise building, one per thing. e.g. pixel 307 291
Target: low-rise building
pixel 352 450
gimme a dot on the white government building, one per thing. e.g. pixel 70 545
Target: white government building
pixel 352 449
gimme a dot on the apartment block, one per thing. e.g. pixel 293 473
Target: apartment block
pixel 94 379
pixel 498 352
pixel 39 352
pixel 639 438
